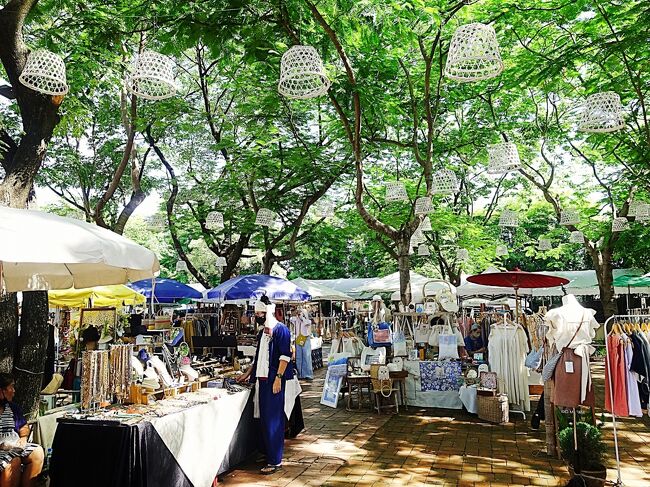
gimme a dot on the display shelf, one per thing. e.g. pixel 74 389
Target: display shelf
pixel 140 395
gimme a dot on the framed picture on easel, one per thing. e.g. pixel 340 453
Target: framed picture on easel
pixel 333 384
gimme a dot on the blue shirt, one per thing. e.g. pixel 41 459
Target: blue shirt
pixel 472 344
pixel 280 345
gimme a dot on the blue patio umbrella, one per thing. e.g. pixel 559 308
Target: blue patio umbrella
pixel 166 291
pixel 254 286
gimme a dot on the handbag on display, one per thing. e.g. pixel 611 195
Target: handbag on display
pixel 430 305
pixel 379 335
pixel 534 358
pixel 371 356
pixel 447 347
pixel 422 332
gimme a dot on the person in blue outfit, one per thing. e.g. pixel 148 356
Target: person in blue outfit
pixel 474 341
pixel 269 373
pixel 301 324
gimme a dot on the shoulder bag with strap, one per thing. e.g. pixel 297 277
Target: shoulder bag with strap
pixel 548 371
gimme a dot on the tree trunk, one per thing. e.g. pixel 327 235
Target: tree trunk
pixel 233 257
pixel 404 266
pixel 8 331
pixel 267 262
pixel 31 350
pixel 602 260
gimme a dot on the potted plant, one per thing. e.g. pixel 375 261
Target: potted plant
pixel 587 460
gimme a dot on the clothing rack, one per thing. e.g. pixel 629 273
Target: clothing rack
pixel 614 319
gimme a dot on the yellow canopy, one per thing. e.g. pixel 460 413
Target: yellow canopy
pixel 116 295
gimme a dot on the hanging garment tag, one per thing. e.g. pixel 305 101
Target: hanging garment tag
pixel 568 366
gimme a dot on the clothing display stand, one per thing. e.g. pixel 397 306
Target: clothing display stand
pixel 609 389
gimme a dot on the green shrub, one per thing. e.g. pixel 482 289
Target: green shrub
pixel 591 448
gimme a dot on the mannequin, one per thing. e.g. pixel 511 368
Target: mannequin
pixel 572 326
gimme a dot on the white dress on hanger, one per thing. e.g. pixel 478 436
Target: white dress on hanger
pixel 507 350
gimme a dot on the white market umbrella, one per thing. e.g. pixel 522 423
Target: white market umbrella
pixel 41 251
pixel 321 292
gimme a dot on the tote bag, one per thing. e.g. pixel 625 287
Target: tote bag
pixel 447 346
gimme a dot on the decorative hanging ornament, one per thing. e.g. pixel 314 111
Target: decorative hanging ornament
pixel 418 237
pixel 569 217
pixel 423 250
pixel 181 266
pixel 444 182
pixel 473 54
pixel 462 255
pixel 508 218
pixel 152 76
pixel 544 244
pixel 634 208
pixel 265 217
pixel 221 261
pixel 156 222
pixel 501 251
pixel 326 210
pixel 214 220
pixel 302 74
pixel 396 191
pixel 44 72
pixel 577 237
pixel 602 113
pixel 643 212
pixel 425 226
pixel 423 205
pixel 503 158
pixel 620 224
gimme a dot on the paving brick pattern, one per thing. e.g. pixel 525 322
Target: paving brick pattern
pixel 436 447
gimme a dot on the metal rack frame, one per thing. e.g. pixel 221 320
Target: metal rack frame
pixel 609 388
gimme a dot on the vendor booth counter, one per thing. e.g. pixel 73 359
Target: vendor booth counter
pixel 188 448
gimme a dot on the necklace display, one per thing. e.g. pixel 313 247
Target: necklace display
pixel 95 379
pixel 120 371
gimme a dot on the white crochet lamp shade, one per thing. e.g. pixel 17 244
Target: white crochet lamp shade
pixel 181 266
pixel 569 217
pixel 508 218
pixel 423 250
pixel 501 251
pixel 462 255
pixel 425 226
pixel 44 72
pixel 302 74
pixel 444 182
pixel 503 158
pixel 326 209
pixel 221 261
pixel 418 237
pixel 602 113
pixel 620 224
pixel 544 244
pixel 214 220
pixel 152 76
pixel 577 237
pixel 643 212
pixel 423 205
pixel 396 191
pixel 473 54
pixel 156 222
pixel 265 217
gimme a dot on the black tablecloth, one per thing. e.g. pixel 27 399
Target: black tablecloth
pixel 113 455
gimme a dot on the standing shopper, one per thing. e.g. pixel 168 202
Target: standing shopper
pixel 269 372
pixel 301 324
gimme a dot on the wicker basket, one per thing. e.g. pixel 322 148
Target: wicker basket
pixel 494 409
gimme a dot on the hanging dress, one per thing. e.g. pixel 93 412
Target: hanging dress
pixel 633 400
pixel 617 377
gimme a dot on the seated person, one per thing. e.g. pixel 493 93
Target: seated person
pixel 474 341
pixel 15 452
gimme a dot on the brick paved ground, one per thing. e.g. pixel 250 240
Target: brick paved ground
pixel 430 447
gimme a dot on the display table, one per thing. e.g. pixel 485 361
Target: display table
pixel 188 448
pixel 417 395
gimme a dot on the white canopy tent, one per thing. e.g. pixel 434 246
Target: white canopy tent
pixel 42 251
pixel 321 292
pixel 346 286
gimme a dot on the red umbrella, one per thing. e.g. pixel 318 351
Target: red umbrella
pixel 518 279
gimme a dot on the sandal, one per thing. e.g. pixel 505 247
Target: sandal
pixel 270 469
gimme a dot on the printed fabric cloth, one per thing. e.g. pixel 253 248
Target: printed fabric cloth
pixel 440 375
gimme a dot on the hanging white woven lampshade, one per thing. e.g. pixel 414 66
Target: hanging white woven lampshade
pixel 620 224
pixel 425 225
pixel 423 205
pixel 544 244
pixel 221 261
pixel 569 217
pixel 462 255
pixel 601 112
pixel 501 251
pixel 214 220
pixel 423 250
pixel 326 209
pixel 508 218
pixel 473 54
pixel 643 212
pixel 265 217
pixel 152 76
pixel 302 74
pixel 444 182
pixel 503 158
pixel 44 72
pixel 396 191
pixel 181 265
pixel 418 237
pixel 577 237
pixel 156 222
pixel 634 208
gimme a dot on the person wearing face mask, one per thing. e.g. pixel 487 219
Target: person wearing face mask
pixel 15 452
pixel 269 373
